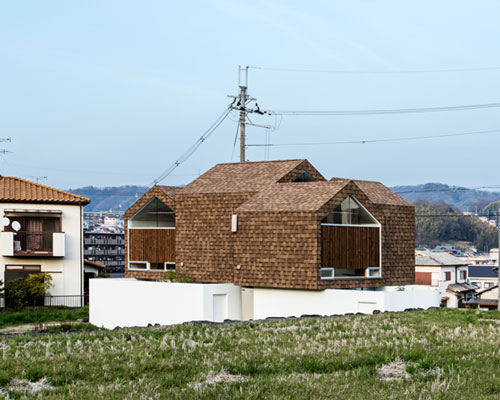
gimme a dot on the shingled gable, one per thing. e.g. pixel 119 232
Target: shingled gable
pixel 164 193
pixel 377 192
pixel 249 177
pixel 309 196
pixel 17 190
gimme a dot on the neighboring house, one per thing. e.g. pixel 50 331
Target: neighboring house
pixel 91 270
pixel 441 269
pixel 276 224
pixel 483 277
pixel 42 232
pixel 105 248
pixel 486 299
pixel 448 249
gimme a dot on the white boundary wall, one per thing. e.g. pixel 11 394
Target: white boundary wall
pixel 130 302
pixel 294 303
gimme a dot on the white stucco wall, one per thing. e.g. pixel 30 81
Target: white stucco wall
pixel 66 272
pixel 287 303
pixel 131 302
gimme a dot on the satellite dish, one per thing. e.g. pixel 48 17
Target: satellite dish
pixel 5 221
pixel 16 225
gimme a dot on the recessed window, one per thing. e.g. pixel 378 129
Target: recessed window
pixel 169 266
pixel 350 212
pixel 304 177
pixel 327 273
pixel 463 275
pixel 349 273
pixel 155 214
pixel 138 265
pixel 373 272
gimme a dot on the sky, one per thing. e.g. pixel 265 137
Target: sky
pixel 109 93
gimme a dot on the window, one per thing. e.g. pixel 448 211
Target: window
pixel 154 214
pixel 138 265
pixel 350 212
pixel 33 229
pixel 447 276
pixel 463 275
pixel 304 177
pixel 169 266
pixel 20 271
pixel 147 266
pixel 477 284
pixel 488 285
pixel 373 272
pixel 327 273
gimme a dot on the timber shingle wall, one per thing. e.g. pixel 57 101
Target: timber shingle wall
pixel 278 241
pixel 204 238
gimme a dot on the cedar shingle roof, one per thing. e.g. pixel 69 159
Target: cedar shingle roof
pixel 377 192
pixel 14 190
pixel 170 191
pixel 308 196
pixel 241 177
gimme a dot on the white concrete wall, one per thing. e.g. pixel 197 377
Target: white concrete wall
pixel 130 302
pixel 287 303
pixel 67 271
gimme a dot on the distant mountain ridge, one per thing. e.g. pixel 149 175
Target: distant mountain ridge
pixel 120 198
pixel 462 198
pixel 117 198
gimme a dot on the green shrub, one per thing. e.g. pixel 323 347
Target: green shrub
pixel 173 276
pixel 31 290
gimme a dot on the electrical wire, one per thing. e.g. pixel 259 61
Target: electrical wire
pixel 401 139
pixel 385 111
pixel 189 152
pixel 235 140
pixel 382 72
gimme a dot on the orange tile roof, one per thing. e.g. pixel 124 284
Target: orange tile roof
pixel 14 190
pixel 94 264
pixel 377 192
pixel 297 196
pixel 241 177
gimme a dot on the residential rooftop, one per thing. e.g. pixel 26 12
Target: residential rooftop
pixel 18 190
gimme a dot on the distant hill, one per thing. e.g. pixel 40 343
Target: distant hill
pixel 450 229
pixel 118 198
pixel 491 208
pixel 462 198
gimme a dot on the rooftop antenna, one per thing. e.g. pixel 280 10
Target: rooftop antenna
pixel 39 178
pixel 241 103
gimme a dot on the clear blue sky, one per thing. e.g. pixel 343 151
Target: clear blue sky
pixel 110 93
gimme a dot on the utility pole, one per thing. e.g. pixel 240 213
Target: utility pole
pixel 242 101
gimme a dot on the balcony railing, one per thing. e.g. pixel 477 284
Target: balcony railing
pixel 36 244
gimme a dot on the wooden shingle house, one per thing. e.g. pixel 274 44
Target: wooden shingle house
pixel 275 224
pixel 263 239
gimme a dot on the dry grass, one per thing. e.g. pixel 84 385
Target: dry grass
pixel 426 355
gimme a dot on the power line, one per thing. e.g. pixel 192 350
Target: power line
pixel 384 111
pixel 401 139
pixel 368 72
pixel 450 189
pixel 189 152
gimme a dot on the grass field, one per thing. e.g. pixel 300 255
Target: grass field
pixel 439 354
pixel 32 317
